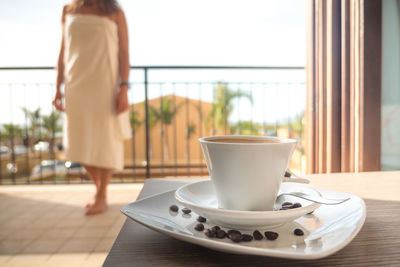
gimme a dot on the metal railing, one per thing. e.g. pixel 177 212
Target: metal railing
pixel 167 117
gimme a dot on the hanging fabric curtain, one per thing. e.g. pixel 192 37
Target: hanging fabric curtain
pixel 343 85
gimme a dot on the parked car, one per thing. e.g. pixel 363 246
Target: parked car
pixel 41 146
pixel 4 150
pixel 74 167
pixel 50 167
pixel 20 150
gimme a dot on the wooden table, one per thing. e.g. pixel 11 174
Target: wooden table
pixel 377 244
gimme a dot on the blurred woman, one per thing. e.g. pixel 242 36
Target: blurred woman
pixel 93 65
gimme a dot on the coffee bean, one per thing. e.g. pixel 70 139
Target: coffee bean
pixel 209 233
pixel 257 235
pixel 220 233
pixel 233 231
pixel 311 212
pixel 287 204
pixel 285 208
pixel 296 205
pixel 298 232
pixel 186 210
pixel 247 238
pixel 287 174
pixel 215 228
pixel 271 235
pixel 174 208
pixel 235 237
pixel 199 227
pixel 201 219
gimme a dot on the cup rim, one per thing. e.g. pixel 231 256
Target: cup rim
pixel 281 140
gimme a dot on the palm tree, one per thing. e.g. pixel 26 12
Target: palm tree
pixel 165 115
pixel 246 128
pixel 35 121
pixel 222 105
pixel 51 124
pixel 297 127
pixel 190 130
pixel 10 131
pixel 154 117
pixel 134 120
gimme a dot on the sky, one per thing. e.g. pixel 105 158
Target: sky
pixel 163 32
pixel 169 32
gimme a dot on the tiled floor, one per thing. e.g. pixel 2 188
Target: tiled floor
pixel 45 225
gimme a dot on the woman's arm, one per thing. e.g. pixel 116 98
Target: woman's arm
pixel 57 102
pixel 123 58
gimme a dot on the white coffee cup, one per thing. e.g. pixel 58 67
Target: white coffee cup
pixel 247 171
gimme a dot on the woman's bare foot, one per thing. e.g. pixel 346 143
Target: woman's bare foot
pixel 89 204
pixel 99 206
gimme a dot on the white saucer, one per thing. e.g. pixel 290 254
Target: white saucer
pixel 201 198
pixel 326 231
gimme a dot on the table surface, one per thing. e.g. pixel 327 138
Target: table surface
pixel 378 242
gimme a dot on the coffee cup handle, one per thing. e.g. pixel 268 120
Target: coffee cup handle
pixel 295 178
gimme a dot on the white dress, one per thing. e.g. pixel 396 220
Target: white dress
pixel 93 133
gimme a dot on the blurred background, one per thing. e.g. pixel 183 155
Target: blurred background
pixel 199 68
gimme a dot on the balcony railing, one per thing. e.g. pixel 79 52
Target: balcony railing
pixel 171 107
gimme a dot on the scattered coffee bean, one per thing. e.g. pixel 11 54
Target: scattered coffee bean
pixel 220 233
pixel 271 235
pixel 247 238
pixel 215 228
pixel 257 235
pixel 298 232
pixel 296 205
pixel 288 205
pixel 186 210
pixel 311 212
pixel 174 208
pixel 199 227
pixel 201 219
pixel 287 174
pixel 209 233
pixel 233 231
pixel 235 237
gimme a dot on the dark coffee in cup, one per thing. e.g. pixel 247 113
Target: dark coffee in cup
pixel 241 140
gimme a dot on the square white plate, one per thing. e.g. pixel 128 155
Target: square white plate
pixel 327 230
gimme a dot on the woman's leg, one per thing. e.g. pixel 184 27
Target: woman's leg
pixel 100 203
pixel 92 173
pixel 94 176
